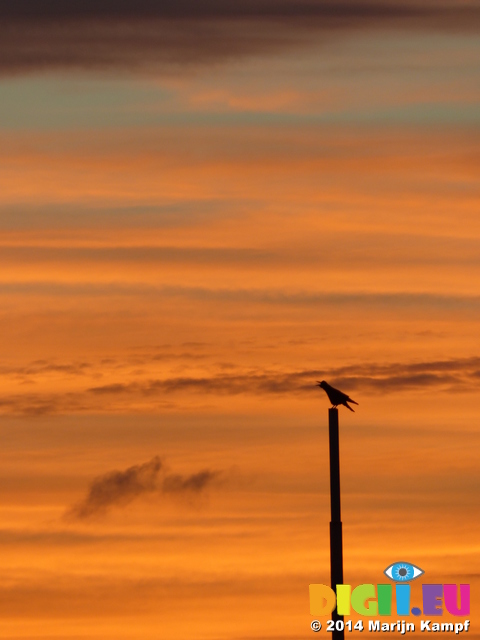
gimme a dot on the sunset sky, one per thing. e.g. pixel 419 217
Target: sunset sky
pixel 205 207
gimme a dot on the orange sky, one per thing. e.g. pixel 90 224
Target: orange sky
pixel 187 246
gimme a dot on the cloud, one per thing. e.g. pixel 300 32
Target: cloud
pixel 453 375
pixel 50 35
pixel 35 405
pixel 196 482
pixel 400 301
pixel 150 255
pixel 47 403
pixel 165 394
pixel 337 12
pixel 120 488
pixel 45 367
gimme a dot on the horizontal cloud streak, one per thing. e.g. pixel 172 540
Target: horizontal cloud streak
pixel 456 374
pixel 141 254
pixel 377 247
pixel 56 35
pixel 399 301
pixel 216 9
pixel 145 392
pixel 271 296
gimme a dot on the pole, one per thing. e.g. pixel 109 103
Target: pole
pixel 336 538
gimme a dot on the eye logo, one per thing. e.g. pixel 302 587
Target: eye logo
pixel 403 571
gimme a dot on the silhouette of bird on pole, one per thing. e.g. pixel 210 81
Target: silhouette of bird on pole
pixel 335 396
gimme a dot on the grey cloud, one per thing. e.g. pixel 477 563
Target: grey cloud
pixel 399 303
pixel 340 12
pixel 402 301
pixel 120 488
pixel 116 387
pixel 208 9
pixel 174 214
pixel 30 372
pixel 49 35
pixel 42 367
pixel 453 375
pixel 141 255
pixel 196 482
pixel 74 403
pixel 375 249
pixel 34 405
pixel 461 364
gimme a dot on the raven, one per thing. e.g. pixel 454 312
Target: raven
pixel 335 396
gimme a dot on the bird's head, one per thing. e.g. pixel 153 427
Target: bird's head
pixel 322 384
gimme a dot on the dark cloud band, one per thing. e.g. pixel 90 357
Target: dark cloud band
pixel 453 375
pixel 217 9
pixel 449 376
pixel 54 35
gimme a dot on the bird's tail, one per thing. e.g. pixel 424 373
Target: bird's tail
pixel 350 400
pixel 348 407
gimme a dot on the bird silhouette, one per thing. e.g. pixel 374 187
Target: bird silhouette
pixel 335 396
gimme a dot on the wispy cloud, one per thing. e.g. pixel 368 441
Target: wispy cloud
pixel 120 488
pixel 453 375
pixel 176 483
pixel 141 393
pixel 100 35
pixel 401 301
pixel 45 367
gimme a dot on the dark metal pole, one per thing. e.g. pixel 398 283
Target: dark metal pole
pixel 336 538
